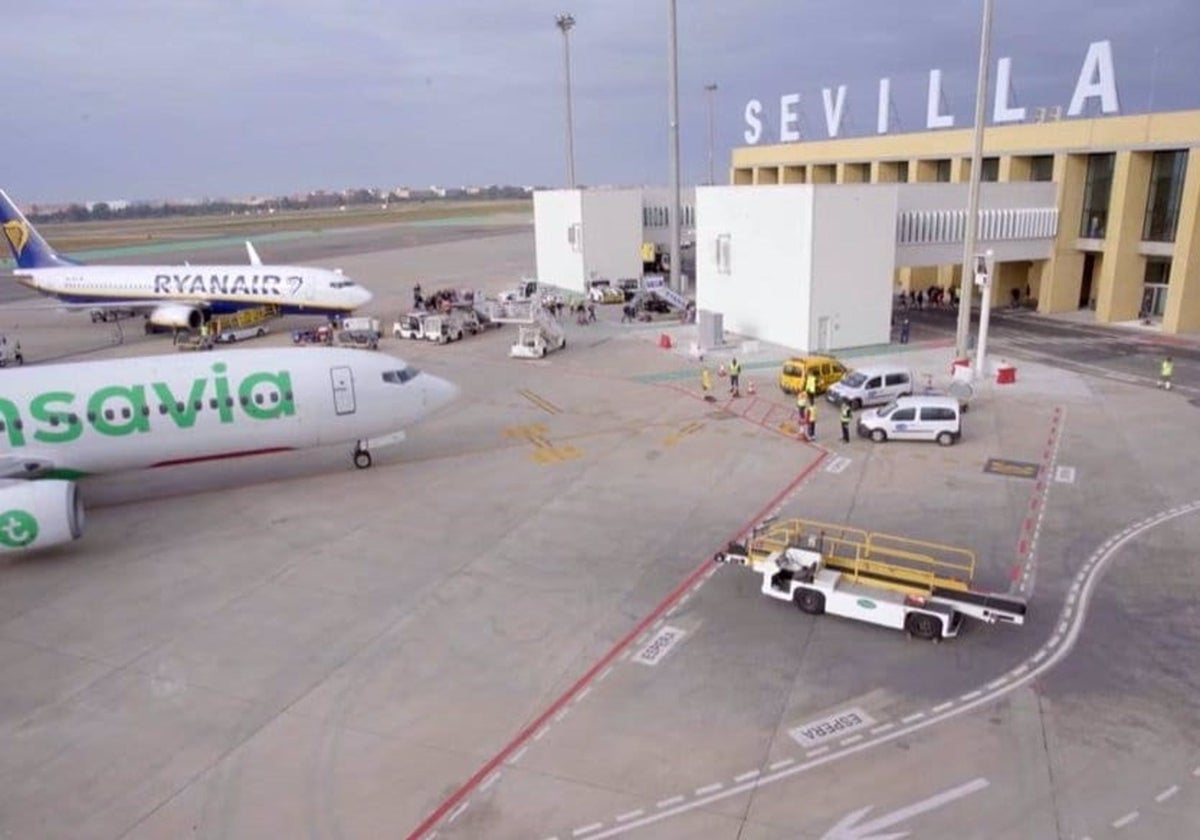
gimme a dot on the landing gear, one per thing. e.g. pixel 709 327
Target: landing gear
pixel 362 458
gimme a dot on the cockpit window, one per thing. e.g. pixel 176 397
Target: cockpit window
pixel 399 377
pixel 341 284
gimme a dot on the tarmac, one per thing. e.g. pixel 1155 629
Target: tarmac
pixel 511 626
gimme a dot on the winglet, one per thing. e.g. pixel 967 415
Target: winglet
pixel 255 259
pixel 27 246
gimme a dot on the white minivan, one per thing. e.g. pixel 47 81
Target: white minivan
pixel 874 385
pixel 914 418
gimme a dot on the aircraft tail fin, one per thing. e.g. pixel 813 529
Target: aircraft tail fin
pixel 255 259
pixel 27 246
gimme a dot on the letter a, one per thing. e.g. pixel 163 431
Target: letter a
pixel 1096 79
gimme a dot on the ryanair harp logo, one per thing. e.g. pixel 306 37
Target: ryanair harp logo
pixel 17 234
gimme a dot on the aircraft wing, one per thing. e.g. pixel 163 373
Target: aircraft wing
pixel 30 466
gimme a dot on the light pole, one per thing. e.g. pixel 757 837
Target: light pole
pixel 566 22
pixel 711 90
pixel 965 286
pixel 673 279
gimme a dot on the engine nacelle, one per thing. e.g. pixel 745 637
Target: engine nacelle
pixel 39 514
pixel 177 316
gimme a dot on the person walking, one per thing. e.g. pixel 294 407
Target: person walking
pixel 735 373
pixel 810 386
pixel 812 420
pixel 845 418
pixel 905 326
pixel 1165 371
pixel 706 383
pixel 802 409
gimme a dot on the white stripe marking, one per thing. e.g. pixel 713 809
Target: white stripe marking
pixel 1167 794
pixel 583 694
pixel 853 739
pixel 787 762
pixel 515 757
pixel 913 717
pixel 884 728
pixel 457 812
pixel 604 673
pixel 630 815
pixel 586 829
pixel 707 789
pixel 816 752
pixel 1125 820
pixel 941 707
pixel 667 803
pixel 745 777
pixel 541 733
pixel 967 698
pixel 491 780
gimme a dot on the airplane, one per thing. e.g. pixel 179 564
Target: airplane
pixel 61 423
pixel 180 297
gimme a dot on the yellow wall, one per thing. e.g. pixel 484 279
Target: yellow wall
pixel 1056 283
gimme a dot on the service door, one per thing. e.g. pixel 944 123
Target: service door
pixel 342 379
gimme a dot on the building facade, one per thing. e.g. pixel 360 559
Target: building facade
pixel 1126 189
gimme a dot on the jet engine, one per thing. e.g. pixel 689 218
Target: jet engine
pixel 177 316
pixel 38 514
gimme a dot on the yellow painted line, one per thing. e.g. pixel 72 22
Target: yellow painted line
pixel 677 436
pixel 540 401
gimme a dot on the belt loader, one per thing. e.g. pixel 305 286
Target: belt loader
pixel 919 587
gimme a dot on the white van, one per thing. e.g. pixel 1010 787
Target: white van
pixel 874 385
pixel 914 418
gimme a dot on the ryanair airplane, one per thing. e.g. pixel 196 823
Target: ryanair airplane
pixel 182 297
pixel 60 423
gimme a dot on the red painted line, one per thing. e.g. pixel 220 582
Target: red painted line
pixel 223 456
pixel 1033 503
pixel 525 734
pixel 1015 574
pixel 1028 526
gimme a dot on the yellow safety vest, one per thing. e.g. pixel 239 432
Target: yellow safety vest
pixel 811 384
pixel 846 415
pixel 1168 367
pixel 735 368
pixel 801 399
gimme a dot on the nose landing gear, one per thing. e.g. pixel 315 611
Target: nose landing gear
pixel 362 457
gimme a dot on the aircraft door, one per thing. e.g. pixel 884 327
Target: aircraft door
pixel 342 379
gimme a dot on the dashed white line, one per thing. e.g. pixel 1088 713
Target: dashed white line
pixel 541 733
pixel 630 815
pixel 915 716
pixel 968 697
pixel 515 757
pixel 1167 794
pixel 1019 670
pixel 707 789
pixel 747 776
pixel 457 812
pixel 667 803
pixel 941 707
pixel 587 829
pixel 787 762
pixel 491 780
pixel 816 752
pixel 996 683
pixel 558 718
pixel 853 739
pixel 1125 820
pixel 604 674
pixel 583 694
pixel 1054 640
pixel 878 730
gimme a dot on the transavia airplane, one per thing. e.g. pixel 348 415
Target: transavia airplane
pixel 174 296
pixel 59 423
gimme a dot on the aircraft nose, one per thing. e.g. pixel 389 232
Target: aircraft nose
pixel 364 296
pixel 440 392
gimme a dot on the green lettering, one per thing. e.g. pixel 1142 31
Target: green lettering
pixel 129 399
pixel 267 409
pixel 61 429
pixel 12 423
pixel 224 403
pixel 186 418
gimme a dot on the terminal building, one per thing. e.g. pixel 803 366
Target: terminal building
pixel 1126 243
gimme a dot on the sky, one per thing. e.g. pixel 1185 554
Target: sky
pixel 143 99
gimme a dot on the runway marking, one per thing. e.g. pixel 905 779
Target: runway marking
pixel 968 697
pixel 457 812
pixel 586 829
pixel 1087 577
pixel 658 647
pixel 881 729
pixel 1025 565
pixel 1125 820
pixel 492 779
pixel 747 776
pixel 667 803
pixel 630 815
pixel 544 452
pixel 1167 794
pixel 838 464
pixel 539 401
pixel 676 437
pixel 707 789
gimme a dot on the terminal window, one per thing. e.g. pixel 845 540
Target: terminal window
pixel 1162 201
pixel 1094 220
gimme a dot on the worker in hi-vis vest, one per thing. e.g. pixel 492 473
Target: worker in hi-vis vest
pixel 846 417
pixel 1165 372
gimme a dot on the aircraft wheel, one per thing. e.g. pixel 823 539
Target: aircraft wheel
pixel 362 459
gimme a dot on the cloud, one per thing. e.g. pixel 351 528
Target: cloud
pixel 134 98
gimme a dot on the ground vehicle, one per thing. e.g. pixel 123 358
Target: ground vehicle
pixel 874 385
pixel 10 353
pixel 795 373
pixel 442 328
pixel 603 291
pixel 362 323
pixel 314 335
pixel 919 587
pixel 525 290
pixel 629 287
pixel 359 338
pixel 411 325
pixel 914 418
pixel 235 334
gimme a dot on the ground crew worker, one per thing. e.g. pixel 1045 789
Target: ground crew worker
pixel 846 416
pixel 735 371
pixel 706 383
pixel 810 385
pixel 1165 372
pixel 802 409
pixel 812 420
pixel 904 329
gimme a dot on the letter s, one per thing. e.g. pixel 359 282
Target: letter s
pixel 753 119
